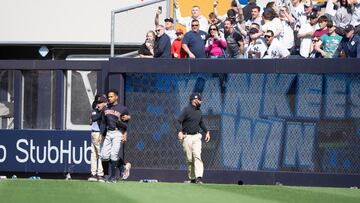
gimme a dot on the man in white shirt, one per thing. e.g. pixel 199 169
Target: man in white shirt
pixel 195 15
pixel 305 34
pixel 297 9
pixel 275 48
pixel 355 21
pixel 169 25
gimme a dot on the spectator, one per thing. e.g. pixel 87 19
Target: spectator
pixel 342 16
pixel 248 10
pixel 162 43
pixel 355 20
pixel 213 20
pixel 351 42
pixel 305 35
pixel 329 10
pixel 215 45
pixel 257 46
pixel 147 49
pixel 255 17
pixel 271 22
pixel 169 25
pixel 193 41
pixel 329 43
pixel 187 21
pixel 286 37
pixel 308 7
pixel 275 48
pixel 298 12
pixel 234 6
pixel 235 42
pixel 176 50
pixel 322 21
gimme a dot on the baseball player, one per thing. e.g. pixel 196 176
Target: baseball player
pixel 96 118
pixel 115 116
pixel 191 121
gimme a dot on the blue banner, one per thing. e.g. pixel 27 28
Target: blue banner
pixel 45 151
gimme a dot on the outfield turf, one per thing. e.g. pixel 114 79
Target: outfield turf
pixel 61 191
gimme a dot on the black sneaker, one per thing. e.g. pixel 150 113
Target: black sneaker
pixel 190 181
pixel 199 180
pixel 92 178
pixel 101 179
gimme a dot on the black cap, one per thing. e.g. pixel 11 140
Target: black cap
pixel 313 14
pixel 195 95
pixel 253 31
pixel 169 20
pixel 348 28
pixel 102 99
pixel 231 13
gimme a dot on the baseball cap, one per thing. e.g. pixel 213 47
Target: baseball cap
pixel 169 20
pixel 313 14
pixel 102 99
pixel 348 28
pixel 179 31
pixel 195 95
pixel 253 31
pixel 231 13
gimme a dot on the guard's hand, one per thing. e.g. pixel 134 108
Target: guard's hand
pixel 181 136
pixel 207 137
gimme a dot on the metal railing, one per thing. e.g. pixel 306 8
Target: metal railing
pixel 114 12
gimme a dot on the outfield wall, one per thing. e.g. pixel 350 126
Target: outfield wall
pixel 287 121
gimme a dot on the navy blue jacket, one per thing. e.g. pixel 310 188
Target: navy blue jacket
pixel 351 47
pixel 162 47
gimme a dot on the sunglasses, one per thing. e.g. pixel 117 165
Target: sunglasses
pixel 158 30
pixel 195 25
pixel 267 36
pixel 213 29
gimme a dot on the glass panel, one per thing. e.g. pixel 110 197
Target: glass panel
pixel 6 99
pixel 81 90
pixel 39 99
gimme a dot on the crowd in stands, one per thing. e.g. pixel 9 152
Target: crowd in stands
pixel 281 29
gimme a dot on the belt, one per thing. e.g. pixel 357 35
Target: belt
pixel 95 131
pixel 112 129
pixel 186 133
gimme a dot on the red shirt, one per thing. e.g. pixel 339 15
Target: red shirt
pixel 320 32
pixel 176 48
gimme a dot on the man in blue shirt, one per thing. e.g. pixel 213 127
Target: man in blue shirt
pixel 162 43
pixel 351 44
pixel 193 42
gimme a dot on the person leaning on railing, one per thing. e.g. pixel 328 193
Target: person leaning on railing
pixel 147 49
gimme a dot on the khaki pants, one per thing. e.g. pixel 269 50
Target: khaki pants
pixel 192 149
pixel 96 166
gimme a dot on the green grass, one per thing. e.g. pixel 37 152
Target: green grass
pixel 61 191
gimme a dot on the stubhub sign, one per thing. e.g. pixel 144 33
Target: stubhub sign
pixel 45 151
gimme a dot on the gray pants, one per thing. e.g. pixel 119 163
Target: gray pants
pixel 111 146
